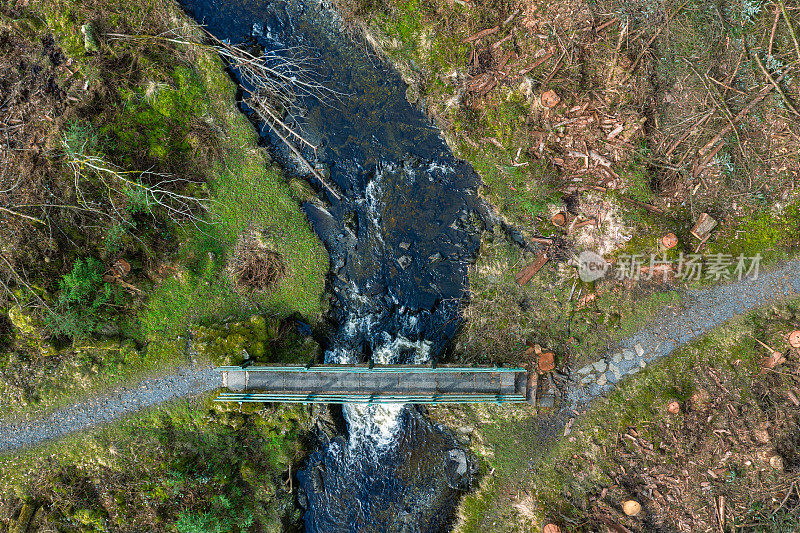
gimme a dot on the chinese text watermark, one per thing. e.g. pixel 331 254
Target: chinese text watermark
pixel 688 267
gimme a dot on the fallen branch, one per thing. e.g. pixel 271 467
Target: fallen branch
pixel 606 24
pixel 22 215
pixel 21 280
pixel 275 81
pixel 648 207
pixel 525 275
pixel 775 84
pixel 688 132
pixel 653 38
pixel 536 63
pixel 481 34
pixel 178 206
pixel 721 105
pixel 591 221
pixel 299 155
pixel 791 28
pixel 724 131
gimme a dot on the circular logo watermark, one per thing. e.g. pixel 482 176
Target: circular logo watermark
pixel 591 266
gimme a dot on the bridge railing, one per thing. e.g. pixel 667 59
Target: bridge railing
pixel 377 384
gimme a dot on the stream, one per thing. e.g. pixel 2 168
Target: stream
pixel 400 238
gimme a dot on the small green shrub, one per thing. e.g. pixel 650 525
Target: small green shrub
pixel 198 523
pixel 79 139
pixel 84 300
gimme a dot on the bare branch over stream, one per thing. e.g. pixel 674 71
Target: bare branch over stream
pixel 275 81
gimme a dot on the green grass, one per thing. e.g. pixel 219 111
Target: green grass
pixel 520 193
pixel 156 117
pixel 772 235
pixel 422 37
pixel 247 190
pixel 506 439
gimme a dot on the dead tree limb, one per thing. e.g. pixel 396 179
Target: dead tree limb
pixel 724 131
pixel 791 28
pixel 22 215
pixel 276 82
pixel 775 84
pixel 316 173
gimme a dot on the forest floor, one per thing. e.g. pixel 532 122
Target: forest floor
pixel 639 116
pixel 707 465
pixel 130 180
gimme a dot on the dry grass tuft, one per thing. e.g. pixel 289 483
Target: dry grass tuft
pixel 254 267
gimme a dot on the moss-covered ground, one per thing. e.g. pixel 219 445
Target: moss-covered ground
pixel 656 106
pixel 189 467
pixel 642 89
pixel 81 83
pixel 160 112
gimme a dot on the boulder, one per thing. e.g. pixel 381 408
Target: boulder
pixel 317 479
pixel 24 323
pixel 458 470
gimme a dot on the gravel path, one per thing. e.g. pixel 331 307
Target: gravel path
pixel 705 309
pixel 185 382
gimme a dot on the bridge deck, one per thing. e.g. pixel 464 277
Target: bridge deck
pixel 380 384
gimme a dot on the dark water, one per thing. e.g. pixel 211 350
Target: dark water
pixel 400 239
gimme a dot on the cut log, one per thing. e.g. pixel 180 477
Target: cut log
pixel 674 407
pixel 529 271
pixel 651 208
pixel 550 99
pixel 794 339
pixel 631 507
pixel 559 219
pixel 669 241
pixel 591 221
pixel 547 362
pixel 703 226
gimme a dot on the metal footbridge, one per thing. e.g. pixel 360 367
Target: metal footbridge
pixel 379 384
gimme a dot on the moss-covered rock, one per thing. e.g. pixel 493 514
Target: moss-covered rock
pixel 24 519
pixel 94 519
pixel 30 332
pixel 260 339
pixel 25 323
